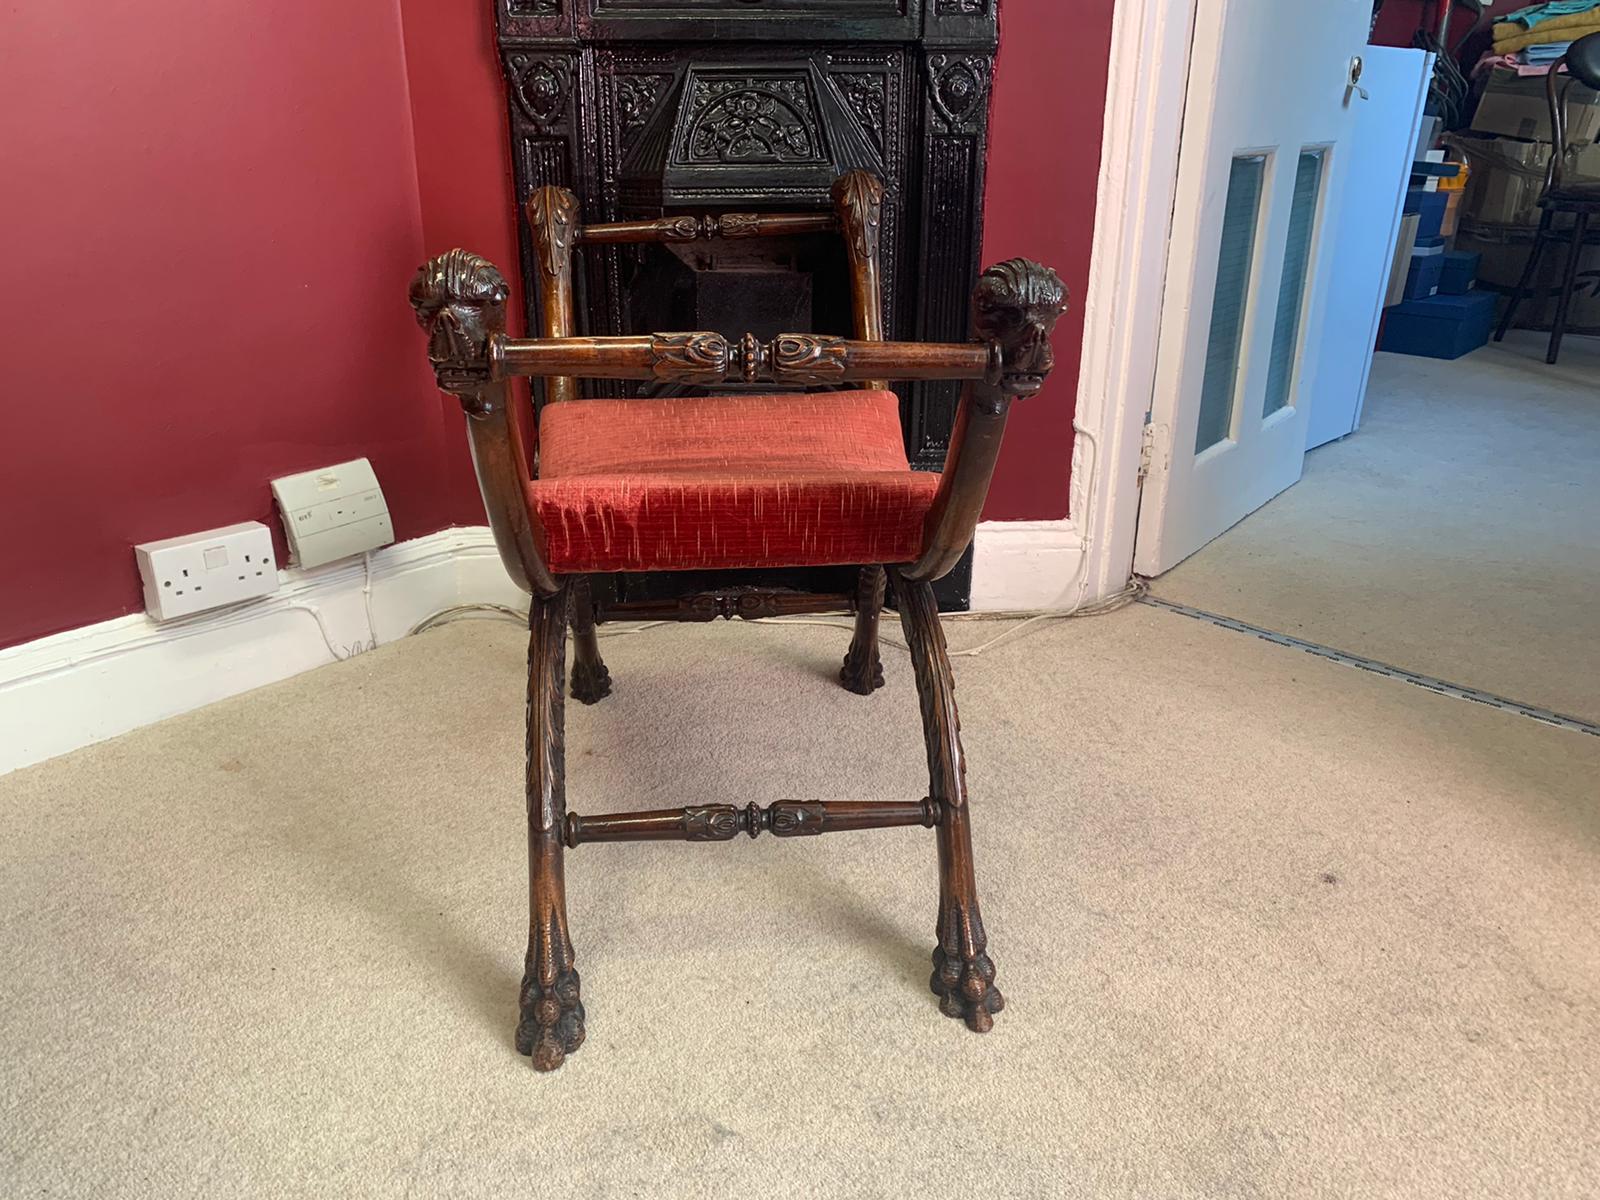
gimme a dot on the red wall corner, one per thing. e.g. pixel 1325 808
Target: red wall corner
pixel 211 217
pixel 463 167
pixel 1044 169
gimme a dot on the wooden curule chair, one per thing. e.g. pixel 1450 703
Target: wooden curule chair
pixel 792 479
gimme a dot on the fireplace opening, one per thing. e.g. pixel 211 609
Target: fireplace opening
pixel 735 286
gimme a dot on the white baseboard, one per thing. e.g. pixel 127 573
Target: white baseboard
pixel 1027 565
pixel 93 683
pixel 89 684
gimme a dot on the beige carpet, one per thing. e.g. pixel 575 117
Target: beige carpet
pixel 1266 925
pixel 1456 533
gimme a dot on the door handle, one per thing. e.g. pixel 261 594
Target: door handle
pixel 1353 81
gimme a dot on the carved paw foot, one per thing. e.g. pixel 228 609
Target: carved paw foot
pixel 862 672
pixel 591 682
pixel 552 1019
pixel 965 987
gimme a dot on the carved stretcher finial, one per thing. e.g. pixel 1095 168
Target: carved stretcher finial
pixel 460 301
pixel 1016 306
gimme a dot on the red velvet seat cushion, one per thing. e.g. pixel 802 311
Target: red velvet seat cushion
pixel 728 481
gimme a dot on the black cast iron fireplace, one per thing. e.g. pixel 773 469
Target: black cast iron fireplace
pixel 646 108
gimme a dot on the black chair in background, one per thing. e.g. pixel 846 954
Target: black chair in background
pixel 1561 195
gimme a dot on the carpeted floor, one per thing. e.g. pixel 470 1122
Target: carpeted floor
pixel 1266 925
pixel 1453 534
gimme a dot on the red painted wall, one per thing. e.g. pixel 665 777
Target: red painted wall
pixel 463 170
pixel 1044 161
pixel 1399 21
pixel 1044 165
pixel 210 215
pixel 459 122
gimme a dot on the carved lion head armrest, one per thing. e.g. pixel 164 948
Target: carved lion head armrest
pixel 1015 307
pixel 460 302
pixel 1014 310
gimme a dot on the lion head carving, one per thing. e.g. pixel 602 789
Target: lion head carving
pixel 460 301
pixel 1016 305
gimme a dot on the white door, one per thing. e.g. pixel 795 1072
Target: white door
pixel 1267 124
pixel 1366 212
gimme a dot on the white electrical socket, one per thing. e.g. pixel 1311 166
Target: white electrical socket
pixel 200 571
pixel 333 512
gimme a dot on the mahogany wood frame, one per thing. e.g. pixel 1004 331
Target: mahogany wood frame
pixel 460 301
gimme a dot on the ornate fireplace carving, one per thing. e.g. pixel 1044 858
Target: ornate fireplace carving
pixel 650 108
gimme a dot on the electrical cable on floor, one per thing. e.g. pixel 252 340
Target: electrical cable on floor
pixel 520 615
pixel 446 615
pixel 629 630
pixel 1100 608
pixel 1025 618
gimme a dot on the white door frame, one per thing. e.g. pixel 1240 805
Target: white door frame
pixel 1151 43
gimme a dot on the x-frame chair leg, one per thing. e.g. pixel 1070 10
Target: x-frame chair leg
pixel 862 672
pixel 963 973
pixel 551 1025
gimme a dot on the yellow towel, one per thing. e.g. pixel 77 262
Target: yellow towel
pixel 1511 37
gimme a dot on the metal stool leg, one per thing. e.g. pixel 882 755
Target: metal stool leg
pixel 1569 280
pixel 1528 271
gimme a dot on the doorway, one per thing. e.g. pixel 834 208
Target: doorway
pixel 1452 536
pixel 1439 532
pixel 1292 168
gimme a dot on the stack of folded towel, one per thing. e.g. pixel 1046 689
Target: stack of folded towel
pixel 1541 33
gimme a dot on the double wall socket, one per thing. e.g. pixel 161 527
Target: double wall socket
pixel 200 571
pixel 333 512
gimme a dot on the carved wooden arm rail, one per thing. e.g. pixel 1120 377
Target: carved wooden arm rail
pixel 460 299
pixel 707 359
pixel 688 228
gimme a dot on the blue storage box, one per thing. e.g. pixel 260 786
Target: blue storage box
pixel 1440 326
pixel 1422 280
pixel 1460 272
pixel 1430 207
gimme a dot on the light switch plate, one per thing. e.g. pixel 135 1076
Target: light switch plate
pixel 333 512
pixel 201 571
